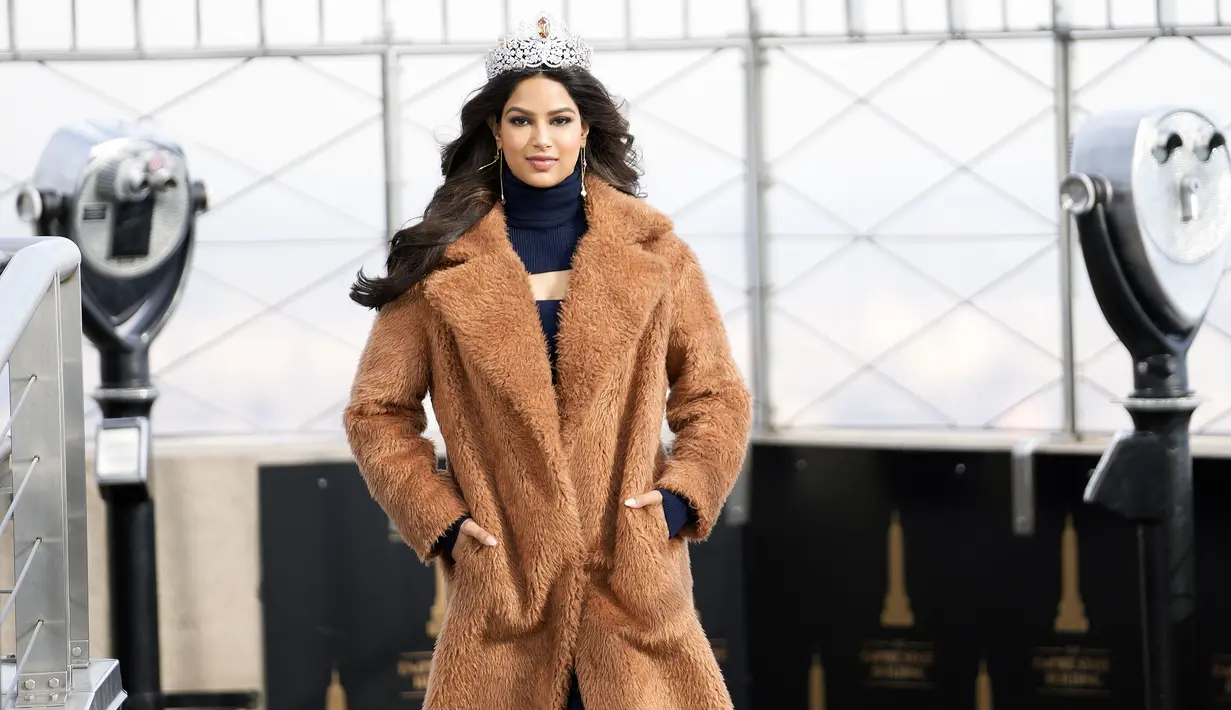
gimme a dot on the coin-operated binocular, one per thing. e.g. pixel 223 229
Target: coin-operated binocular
pixel 124 194
pixel 1151 195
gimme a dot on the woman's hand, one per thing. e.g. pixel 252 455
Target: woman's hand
pixel 654 497
pixel 472 529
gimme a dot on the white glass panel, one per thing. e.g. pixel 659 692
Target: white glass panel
pixel 984 15
pixel 293 22
pixel 1150 78
pixel 785 121
pixel 229 23
pixel 824 17
pixel 474 20
pixel 793 256
pixel 789 211
pixel 1035 57
pixel 944 99
pixel 1043 411
pixel 1211 376
pixel 351 21
pixel 657 19
pixel 4 30
pixel 276 272
pixel 363 73
pixel 707 102
pixel 348 175
pixel 1133 13
pixel 784 17
pixel 1196 12
pixel 803 366
pixel 1025 297
pixel 965 205
pixel 418 20
pixel 1028 14
pixel 273 212
pixel 882 16
pixel 177 413
pixel 598 20
pixel 273 372
pixel 106 24
pixel 865 300
pixel 275 94
pixel 717 18
pixel 48 101
pixel 719 213
pixel 861 68
pixel 1087 14
pixel 861 186
pixel 678 169
pixel 1024 166
pixel 870 400
pixel 146 86
pixel 969 265
pixel 169 24
pixel 43 24
pixel 927 15
pixel 327 305
pixel 971 367
pixel 207 311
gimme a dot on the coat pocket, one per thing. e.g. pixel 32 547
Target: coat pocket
pixel 649 573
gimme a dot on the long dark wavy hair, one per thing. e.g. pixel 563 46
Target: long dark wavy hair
pixel 468 193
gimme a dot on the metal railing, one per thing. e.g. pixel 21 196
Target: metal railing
pixel 42 459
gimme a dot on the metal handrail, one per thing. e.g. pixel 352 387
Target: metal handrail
pixel 31 265
pixel 44 463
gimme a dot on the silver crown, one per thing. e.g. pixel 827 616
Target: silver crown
pixel 545 43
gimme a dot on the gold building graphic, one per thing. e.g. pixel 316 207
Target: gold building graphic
pixel 436 616
pixel 983 687
pixel 816 684
pixel 335 694
pixel 1071 611
pixel 896 612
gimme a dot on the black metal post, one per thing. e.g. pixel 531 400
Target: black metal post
pixel 1166 561
pixel 126 391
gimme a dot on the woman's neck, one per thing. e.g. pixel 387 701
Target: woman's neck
pixel 529 206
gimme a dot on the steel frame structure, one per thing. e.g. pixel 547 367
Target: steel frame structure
pixel 754 42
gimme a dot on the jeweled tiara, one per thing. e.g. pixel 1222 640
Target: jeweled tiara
pixel 545 43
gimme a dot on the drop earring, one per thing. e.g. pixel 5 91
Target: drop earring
pixel 583 170
pixel 500 159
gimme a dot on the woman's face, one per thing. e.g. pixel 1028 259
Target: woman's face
pixel 540 132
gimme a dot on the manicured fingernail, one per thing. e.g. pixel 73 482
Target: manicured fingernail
pixel 631 502
pixel 491 542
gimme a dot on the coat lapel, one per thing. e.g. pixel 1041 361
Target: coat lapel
pixel 616 283
pixel 483 294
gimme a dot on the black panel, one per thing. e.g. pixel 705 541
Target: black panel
pixel 1080 648
pixel 819 576
pixel 1212 497
pixel 298 585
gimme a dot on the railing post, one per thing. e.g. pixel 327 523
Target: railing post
pixel 73 391
pixel 40 530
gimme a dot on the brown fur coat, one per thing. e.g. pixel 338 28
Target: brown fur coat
pixel 578 580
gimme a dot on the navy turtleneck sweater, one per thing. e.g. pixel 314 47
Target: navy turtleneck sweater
pixel 544 226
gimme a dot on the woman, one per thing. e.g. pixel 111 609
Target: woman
pixel 553 318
